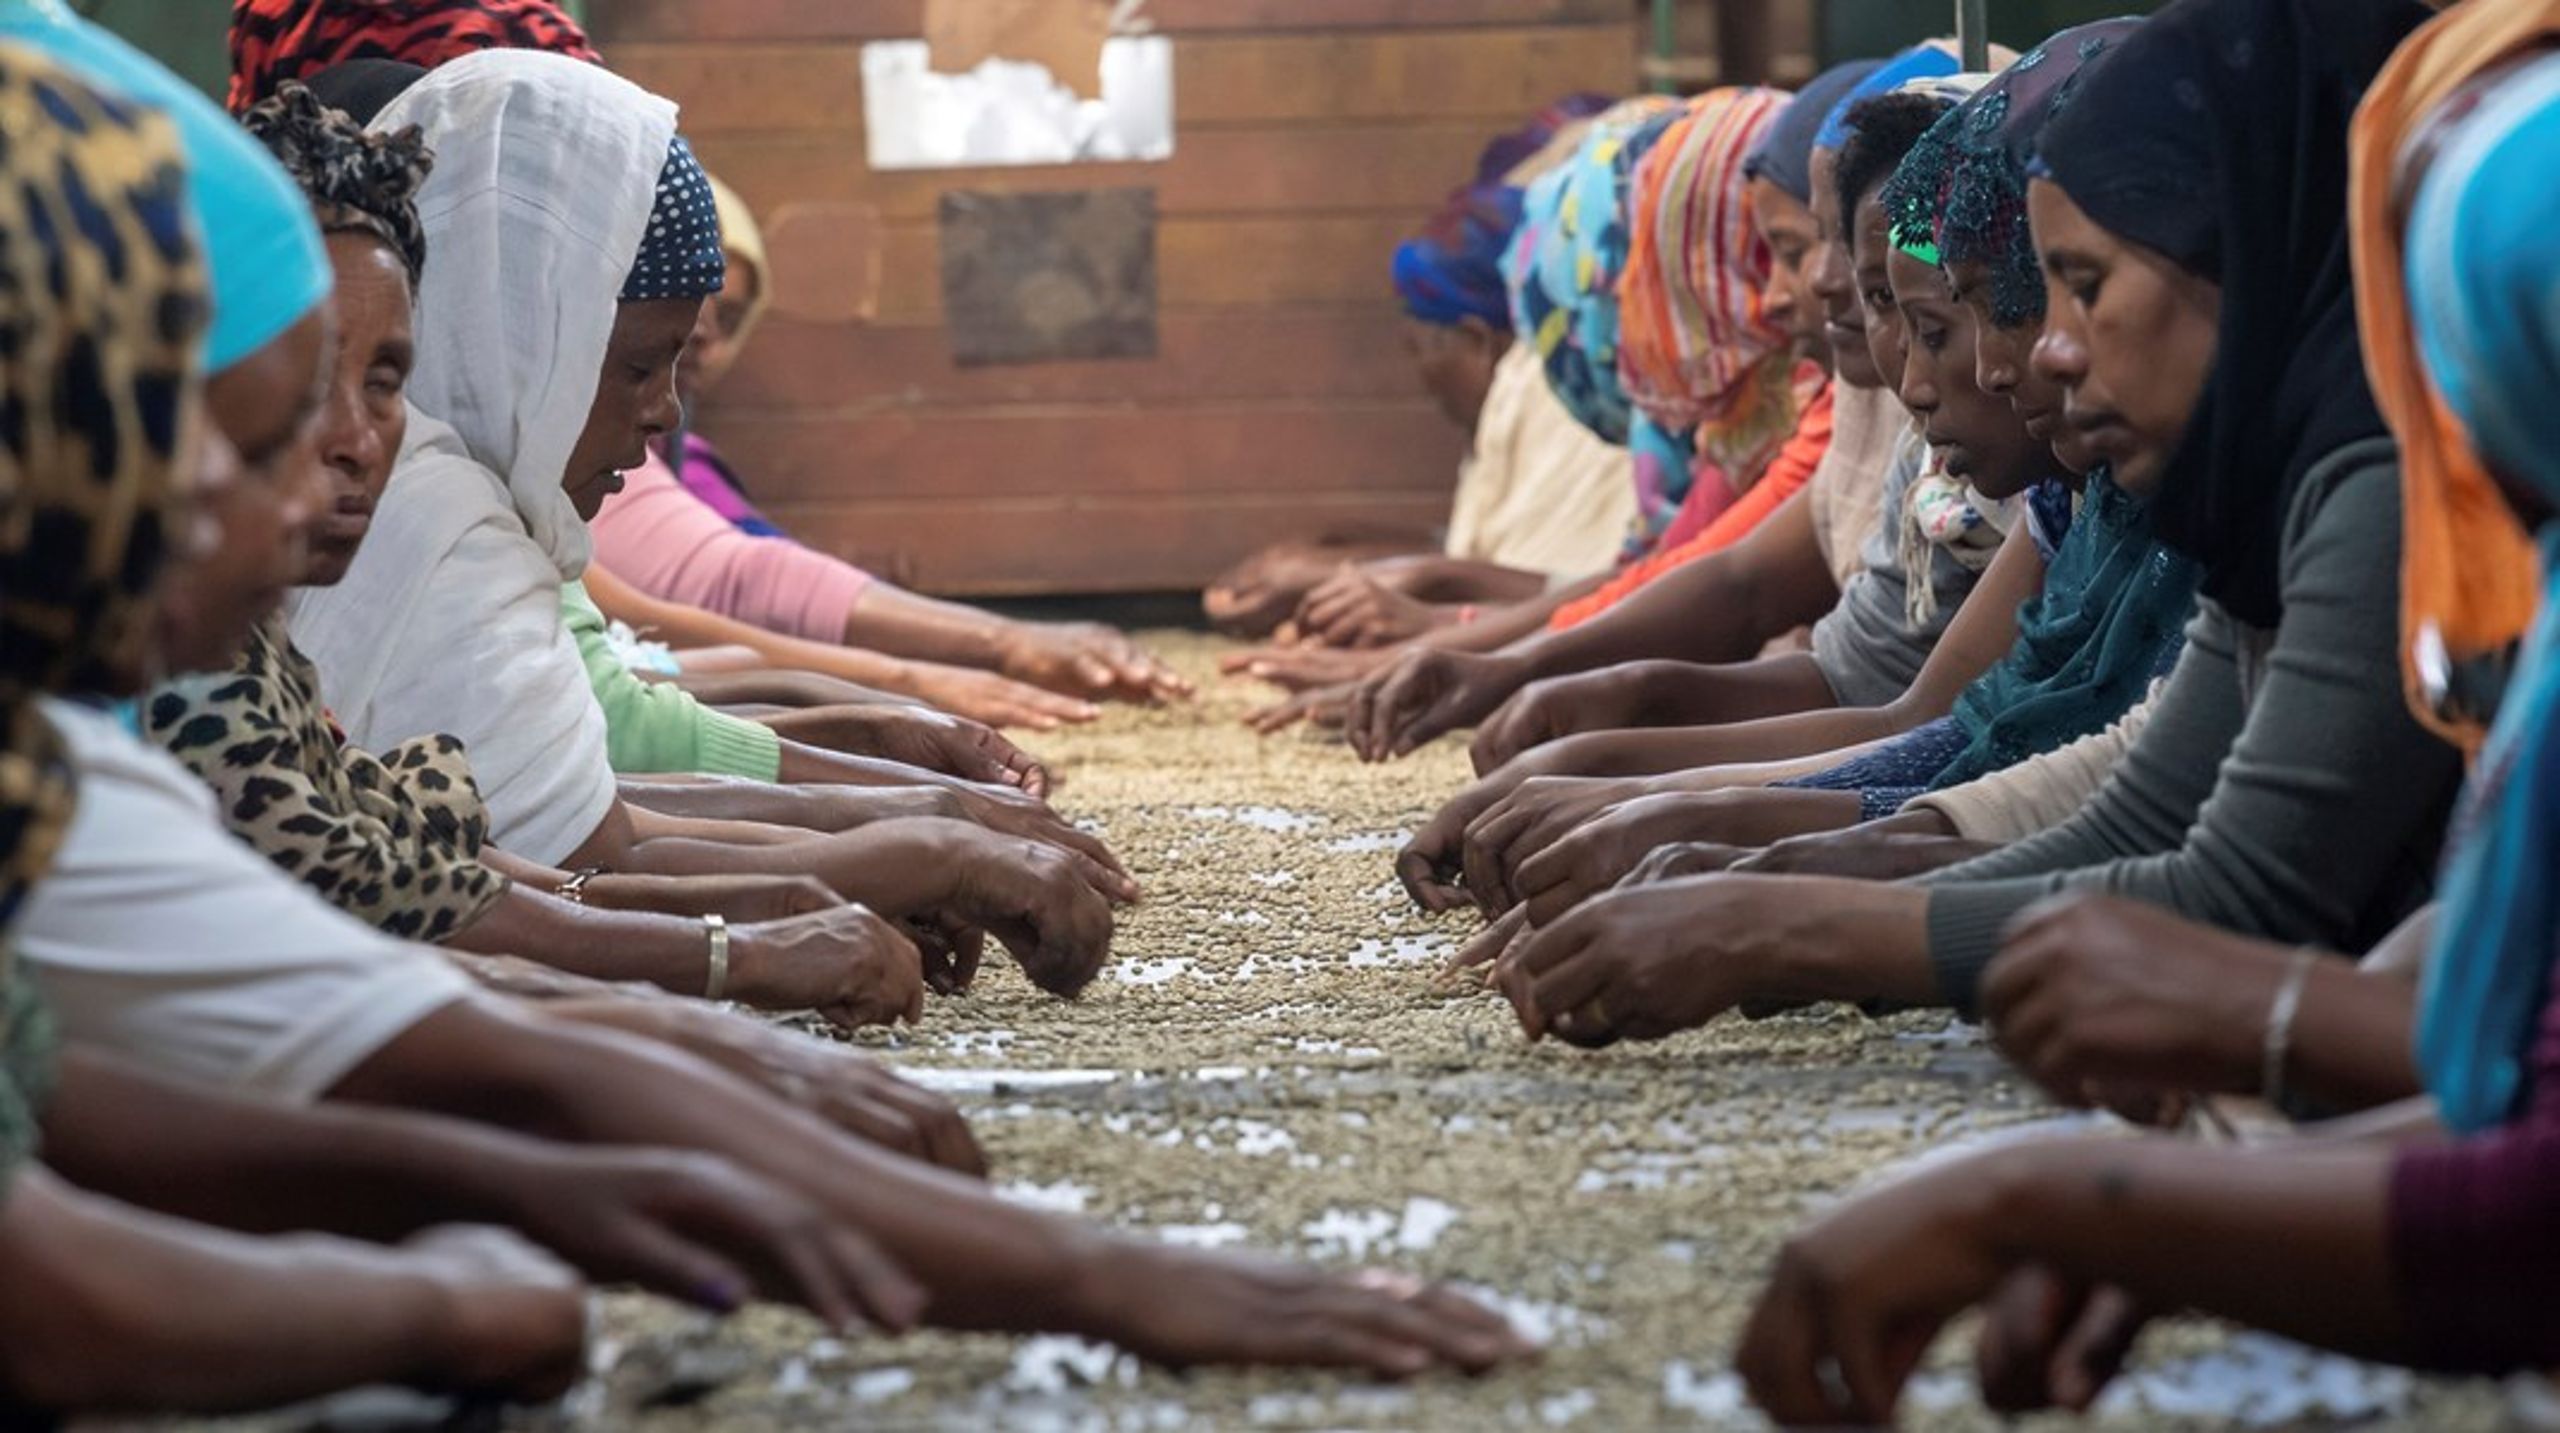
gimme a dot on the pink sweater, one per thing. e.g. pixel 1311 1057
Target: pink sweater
pixel 657 536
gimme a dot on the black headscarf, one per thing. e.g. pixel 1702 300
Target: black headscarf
pixel 2217 135
pixel 365 88
pixel 1785 155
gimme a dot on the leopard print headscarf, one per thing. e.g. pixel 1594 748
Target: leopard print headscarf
pixel 392 840
pixel 102 308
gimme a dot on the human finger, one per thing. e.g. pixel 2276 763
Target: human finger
pixel 1783 1346
pixel 1480 855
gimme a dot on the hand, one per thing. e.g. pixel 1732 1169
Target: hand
pixel 922 738
pixel 839 1084
pixel 511 1320
pixel 1012 813
pixel 1864 853
pixel 1426 694
pixel 1432 864
pixel 1641 963
pixel 1610 699
pixel 1321 707
pixel 1584 862
pixel 1086 659
pixel 1536 814
pixel 703 1230
pixel 2098 999
pixel 1353 608
pixel 999 700
pixel 1685 858
pixel 1184 1308
pixel 1039 901
pixel 1302 668
pixel 2052 1342
pixel 1258 594
pixel 846 964
pixel 1477 960
pixel 1860 1294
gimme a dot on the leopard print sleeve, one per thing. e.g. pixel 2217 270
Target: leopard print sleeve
pixel 392 840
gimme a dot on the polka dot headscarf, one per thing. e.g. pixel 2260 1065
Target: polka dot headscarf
pixel 680 256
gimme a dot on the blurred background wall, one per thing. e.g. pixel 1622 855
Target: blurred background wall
pixel 1311 135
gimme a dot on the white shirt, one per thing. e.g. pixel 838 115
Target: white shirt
pixel 159 936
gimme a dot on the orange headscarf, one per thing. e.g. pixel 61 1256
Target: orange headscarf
pixel 2470 577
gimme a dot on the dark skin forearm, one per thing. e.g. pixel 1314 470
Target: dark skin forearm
pixel 780 687
pixel 2294 1241
pixel 661 950
pixel 1459 579
pixel 1721 608
pixel 1714 701
pixel 985 1264
pixel 263 1167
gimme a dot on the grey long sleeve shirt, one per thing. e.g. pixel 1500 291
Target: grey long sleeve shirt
pixel 2281 790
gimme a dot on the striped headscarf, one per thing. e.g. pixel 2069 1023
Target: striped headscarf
pixel 102 310
pixel 1697 355
pixel 277 40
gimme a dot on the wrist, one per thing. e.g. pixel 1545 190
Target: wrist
pixel 1095 1273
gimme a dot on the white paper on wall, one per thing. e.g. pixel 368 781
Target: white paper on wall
pixel 1009 112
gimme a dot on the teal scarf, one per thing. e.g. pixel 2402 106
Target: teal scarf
pixel 2112 616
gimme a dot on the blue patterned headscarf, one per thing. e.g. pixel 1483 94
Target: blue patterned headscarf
pixel 2484 295
pixel 1452 270
pixel 1564 265
pixel 681 256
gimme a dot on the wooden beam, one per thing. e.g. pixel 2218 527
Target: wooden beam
pixel 619 21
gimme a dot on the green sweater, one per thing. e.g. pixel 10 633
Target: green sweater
pixel 2281 790
pixel 656 728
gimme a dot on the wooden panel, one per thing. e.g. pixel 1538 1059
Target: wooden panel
pixel 1492 75
pixel 1207 264
pixel 1018 453
pixel 847 370
pixel 1000 549
pixel 1341 169
pixel 617 21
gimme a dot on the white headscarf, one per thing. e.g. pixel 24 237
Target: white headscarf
pixel 449 620
pixel 546 168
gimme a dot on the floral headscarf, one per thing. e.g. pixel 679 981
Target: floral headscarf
pixel 1698 355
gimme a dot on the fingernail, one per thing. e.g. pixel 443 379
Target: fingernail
pixel 720 1294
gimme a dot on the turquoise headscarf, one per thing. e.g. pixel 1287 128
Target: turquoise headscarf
pixel 2484 295
pixel 269 267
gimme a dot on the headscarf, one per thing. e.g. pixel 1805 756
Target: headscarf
pixel 2467 588
pixel 1565 262
pixel 1926 60
pixel 356 182
pixel 547 174
pixel 2484 299
pixel 277 40
pixel 363 89
pixel 102 309
pixel 1697 354
pixel 269 270
pixel 2215 135
pixel 1979 212
pixel 1452 270
pixel 680 255
pixel 1784 156
pixel 393 841
pixel 744 240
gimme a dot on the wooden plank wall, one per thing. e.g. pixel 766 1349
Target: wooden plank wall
pixel 1311 135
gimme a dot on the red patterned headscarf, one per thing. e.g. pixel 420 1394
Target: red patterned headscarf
pixel 277 40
